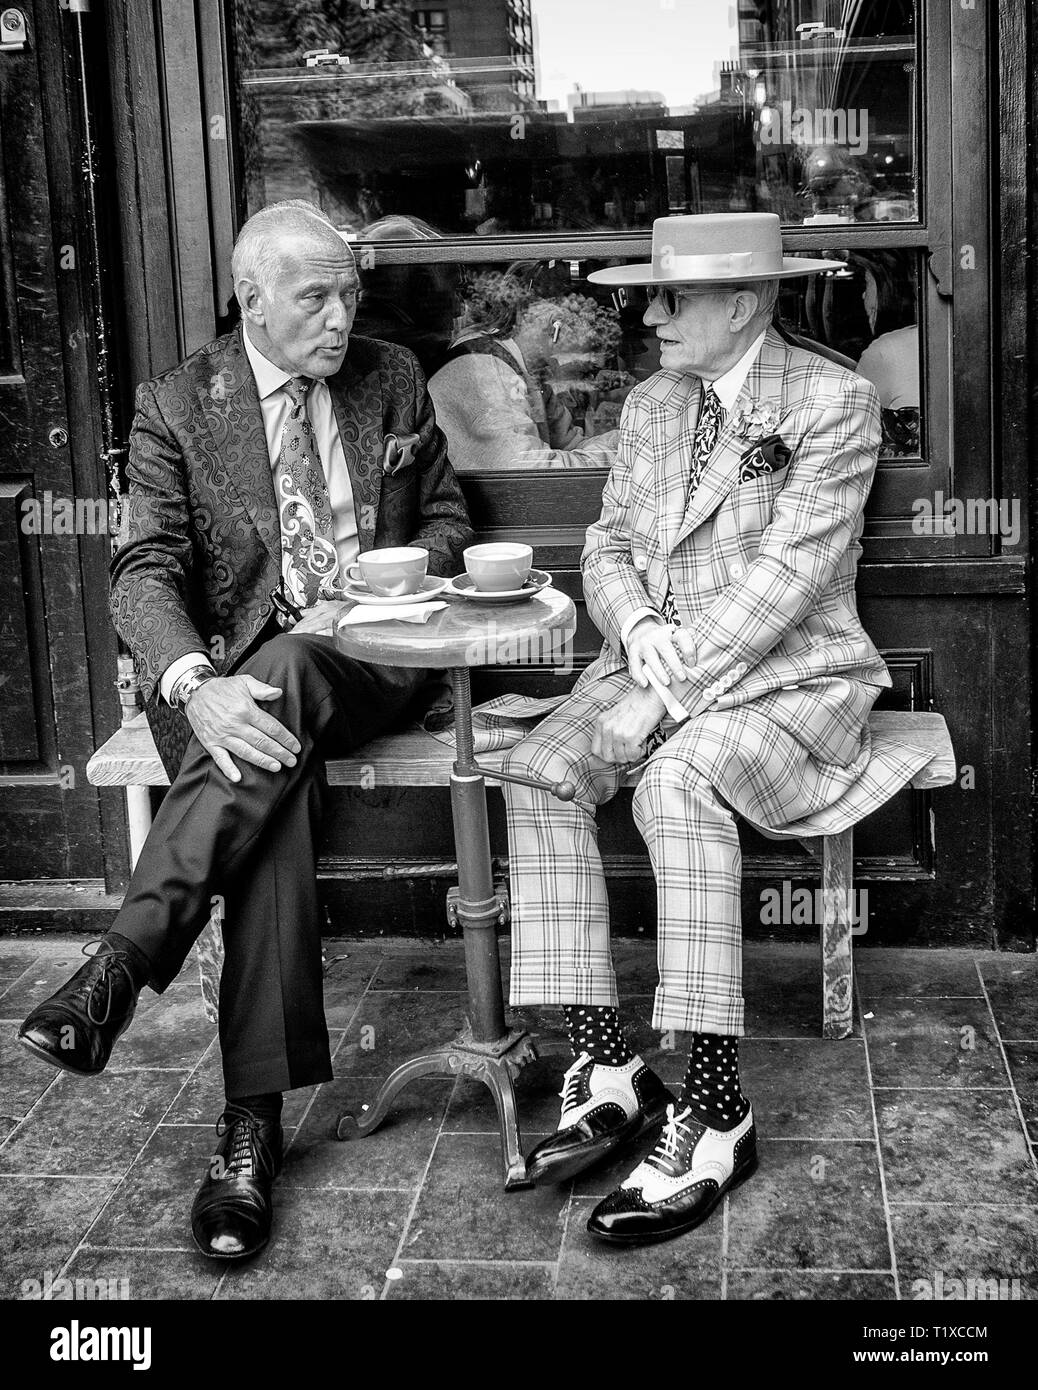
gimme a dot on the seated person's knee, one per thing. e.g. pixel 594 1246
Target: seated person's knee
pixel 278 659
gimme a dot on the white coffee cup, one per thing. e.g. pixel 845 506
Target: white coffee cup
pixel 498 565
pixel 392 571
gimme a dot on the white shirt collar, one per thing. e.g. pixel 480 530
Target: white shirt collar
pixel 731 382
pixel 268 377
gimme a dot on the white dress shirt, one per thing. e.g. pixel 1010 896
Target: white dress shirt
pixel 727 388
pixel 276 404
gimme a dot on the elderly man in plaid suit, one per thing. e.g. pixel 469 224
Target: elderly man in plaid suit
pixel 721 573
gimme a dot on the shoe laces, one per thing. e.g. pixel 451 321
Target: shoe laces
pixel 570 1093
pixel 671 1135
pixel 111 961
pixel 248 1149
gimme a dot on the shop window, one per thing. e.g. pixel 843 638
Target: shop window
pixel 481 183
pixel 529 364
pixel 620 113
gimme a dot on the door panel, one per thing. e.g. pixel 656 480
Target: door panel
pixel 52 533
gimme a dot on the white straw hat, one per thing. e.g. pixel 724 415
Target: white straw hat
pixel 714 246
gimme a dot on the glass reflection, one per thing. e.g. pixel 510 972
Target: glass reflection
pixel 870 313
pixel 533 378
pixel 496 117
pixel 541 361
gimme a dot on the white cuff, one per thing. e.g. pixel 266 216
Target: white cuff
pixel 636 617
pixel 176 669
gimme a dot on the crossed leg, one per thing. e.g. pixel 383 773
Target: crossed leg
pixel 560 910
pixel 561 954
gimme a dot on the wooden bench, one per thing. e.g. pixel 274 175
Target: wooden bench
pixel 415 759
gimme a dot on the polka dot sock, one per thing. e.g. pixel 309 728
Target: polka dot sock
pixel 712 1086
pixel 595 1029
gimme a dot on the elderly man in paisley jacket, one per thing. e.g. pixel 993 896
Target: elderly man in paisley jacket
pixel 259 468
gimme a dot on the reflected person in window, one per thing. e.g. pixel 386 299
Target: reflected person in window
pixel 411 303
pixel 891 360
pixel 495 399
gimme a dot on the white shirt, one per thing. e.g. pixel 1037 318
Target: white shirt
pixel 275 403
pixel 727 387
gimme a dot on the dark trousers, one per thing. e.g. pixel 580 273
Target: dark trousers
pixel 253 844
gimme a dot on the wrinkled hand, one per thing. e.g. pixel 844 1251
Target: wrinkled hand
pixel 321 618
pixel 621 730
pixel 226 719
pixel 668 652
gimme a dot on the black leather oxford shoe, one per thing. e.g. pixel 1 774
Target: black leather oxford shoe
pixel 679 1184
pixel 77 1027
pixel 231 1215
pixel 602 1108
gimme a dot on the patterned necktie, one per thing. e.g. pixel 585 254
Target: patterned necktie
pixel 308 559
pixel 708 427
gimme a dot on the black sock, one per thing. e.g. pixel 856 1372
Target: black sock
pixel 266 1106
pixel 137 962
pixel 595 1029
pixel 712 1086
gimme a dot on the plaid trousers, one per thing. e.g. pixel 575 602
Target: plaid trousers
pixel 560 912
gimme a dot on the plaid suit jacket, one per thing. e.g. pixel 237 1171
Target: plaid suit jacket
pixel 201 552
pixel 762 571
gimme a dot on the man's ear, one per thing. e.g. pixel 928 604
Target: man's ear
pixel 250 298
pixel 744 305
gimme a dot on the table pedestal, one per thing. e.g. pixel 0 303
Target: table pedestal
pixel 485 1049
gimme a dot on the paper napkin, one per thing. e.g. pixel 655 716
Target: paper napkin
pixel 404 613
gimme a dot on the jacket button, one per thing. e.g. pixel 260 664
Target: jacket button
pixel 737 571
pixel 641 564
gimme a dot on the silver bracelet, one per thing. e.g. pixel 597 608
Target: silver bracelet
pixel 188 683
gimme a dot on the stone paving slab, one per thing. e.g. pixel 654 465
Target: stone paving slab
pixel 898 1158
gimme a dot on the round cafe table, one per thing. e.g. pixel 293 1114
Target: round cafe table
pixel 467 633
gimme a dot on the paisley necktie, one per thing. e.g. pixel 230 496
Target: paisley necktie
pixel 708 427
pixel 308 559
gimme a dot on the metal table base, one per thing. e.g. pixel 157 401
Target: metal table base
pixel 486 1049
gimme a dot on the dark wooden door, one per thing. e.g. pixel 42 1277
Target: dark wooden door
pixel 55 647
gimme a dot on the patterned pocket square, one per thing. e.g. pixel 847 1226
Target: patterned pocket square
pixel 770 455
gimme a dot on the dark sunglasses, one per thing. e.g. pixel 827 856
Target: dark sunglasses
pixel 671 299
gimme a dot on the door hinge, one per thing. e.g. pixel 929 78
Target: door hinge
pixel 13 34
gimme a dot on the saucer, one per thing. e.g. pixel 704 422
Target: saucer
pixel 360 593
pixel 463 586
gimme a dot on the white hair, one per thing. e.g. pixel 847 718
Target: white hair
pixel 257 255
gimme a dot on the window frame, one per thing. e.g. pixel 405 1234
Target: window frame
pixel 956 199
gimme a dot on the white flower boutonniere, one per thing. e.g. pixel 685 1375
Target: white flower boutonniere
pixel 756 420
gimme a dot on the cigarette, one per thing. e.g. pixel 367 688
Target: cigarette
pixel 675 708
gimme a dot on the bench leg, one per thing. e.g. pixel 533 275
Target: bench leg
pixel 837 885
pixel 138 819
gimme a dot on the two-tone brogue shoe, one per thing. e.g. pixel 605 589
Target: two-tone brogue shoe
pixel 602 1108
pixel 77 1027
pixel 679 1184
pixel 231 1215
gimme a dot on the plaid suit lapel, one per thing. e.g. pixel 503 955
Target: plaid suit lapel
pixel 673 414
pixel 764 380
